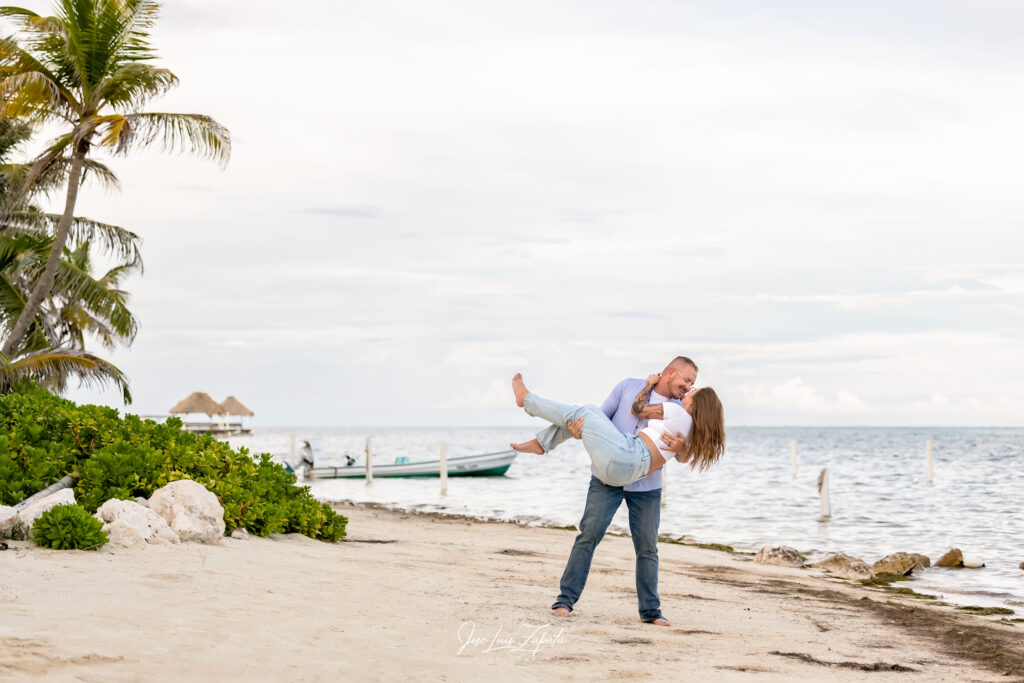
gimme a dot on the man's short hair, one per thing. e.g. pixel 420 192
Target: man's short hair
pixel 683 360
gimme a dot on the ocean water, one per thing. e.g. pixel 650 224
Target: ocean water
pixel 881 501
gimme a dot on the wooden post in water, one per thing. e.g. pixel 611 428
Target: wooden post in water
pixel 792 456
pixel 826 504
pixel 928 458
pixel 369 464
pixel 664 484
pixel 444 470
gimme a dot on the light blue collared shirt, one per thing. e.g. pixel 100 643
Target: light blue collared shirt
pixel 619 409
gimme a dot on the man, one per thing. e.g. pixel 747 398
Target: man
pixel 630 398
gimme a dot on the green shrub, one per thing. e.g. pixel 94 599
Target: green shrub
pixel 44 437
pixel 68 527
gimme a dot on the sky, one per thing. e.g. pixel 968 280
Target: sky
pixel 817 202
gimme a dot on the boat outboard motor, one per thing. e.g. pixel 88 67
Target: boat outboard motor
pixel 306 461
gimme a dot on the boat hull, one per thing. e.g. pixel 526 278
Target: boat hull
pixel 482 465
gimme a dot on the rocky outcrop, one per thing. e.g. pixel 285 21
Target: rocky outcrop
pixel 192 512
pixel 922 560
pixel 1022 565
pixel 130 525
pixel 845 567
pixel 953 558
pixel 780 555
pixel 20 524
pixel 898 563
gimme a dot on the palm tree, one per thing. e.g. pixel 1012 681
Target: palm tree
pixel 78 303
pixel 87 69
pixel 53 350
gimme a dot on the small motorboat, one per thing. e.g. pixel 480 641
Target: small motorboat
pixel 480 465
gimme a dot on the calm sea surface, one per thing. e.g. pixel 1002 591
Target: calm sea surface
pixel 881 501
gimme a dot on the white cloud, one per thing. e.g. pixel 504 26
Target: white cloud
pixel 794 395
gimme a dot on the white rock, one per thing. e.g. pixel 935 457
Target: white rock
pixel 131 525
pixel 8 518
pixel 780 555
pixel 192 512
pixel 972 562
pixel 28 516
pixel 142 501
pixel 240 533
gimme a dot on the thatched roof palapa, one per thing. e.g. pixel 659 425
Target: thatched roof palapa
pixel 198 402
pixel 234 407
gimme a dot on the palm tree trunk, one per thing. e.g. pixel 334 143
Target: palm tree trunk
pixel 45 282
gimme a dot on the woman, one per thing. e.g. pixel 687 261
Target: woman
pixel 622 459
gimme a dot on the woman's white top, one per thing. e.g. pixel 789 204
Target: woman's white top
pixel 675 421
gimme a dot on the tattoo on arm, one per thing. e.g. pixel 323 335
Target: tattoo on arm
pixel 640 407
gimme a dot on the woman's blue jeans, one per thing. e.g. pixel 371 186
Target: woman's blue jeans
pixel 644 518
pixel 618 458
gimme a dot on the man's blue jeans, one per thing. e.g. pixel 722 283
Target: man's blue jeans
pixel 644 518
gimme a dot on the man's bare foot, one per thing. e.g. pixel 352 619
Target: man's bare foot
pixel 560 612
pixel 519 387
pixel 661 621
pixel 532 446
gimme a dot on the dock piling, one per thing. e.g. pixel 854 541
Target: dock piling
pixel 826 504
pixel 928 459
pixel 444 470
pixel 664 485
pixel 369 464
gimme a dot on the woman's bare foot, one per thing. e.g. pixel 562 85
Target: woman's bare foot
pixel 661 621
pixel 532 446
pixel 519 387
pixel 560 612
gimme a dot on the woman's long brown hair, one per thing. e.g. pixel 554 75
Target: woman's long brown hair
pixel 707 437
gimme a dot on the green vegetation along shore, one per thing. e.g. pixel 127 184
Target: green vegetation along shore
pixel 44 437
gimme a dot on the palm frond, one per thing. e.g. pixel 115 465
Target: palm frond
pixel 195 133
pixel 18 12
pixel 75 285
pixel 43 167
pixel 53 367
pixel 119 242
pixel 55 175
pixel 115 240
pixel 19 182
pixel 133 85
pixel 19 248
pixel 32 95
pixel 103 35
pixel 32 22
pixel 134 44
pixel 11 302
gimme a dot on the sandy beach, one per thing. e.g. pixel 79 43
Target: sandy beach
pixel 419 597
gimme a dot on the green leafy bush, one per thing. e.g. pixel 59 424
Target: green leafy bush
pixel 44 437
pixel 68 527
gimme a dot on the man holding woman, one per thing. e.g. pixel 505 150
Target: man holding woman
pixel 628 409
